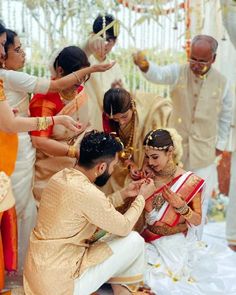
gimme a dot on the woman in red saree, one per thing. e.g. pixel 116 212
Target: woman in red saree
pixel 55 149
pixel 178 262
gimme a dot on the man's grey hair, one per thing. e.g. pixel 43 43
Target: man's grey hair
pixel 212 41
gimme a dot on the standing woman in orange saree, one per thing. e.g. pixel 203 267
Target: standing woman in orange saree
pixel 178 262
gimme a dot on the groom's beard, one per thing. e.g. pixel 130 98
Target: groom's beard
pixel 102 179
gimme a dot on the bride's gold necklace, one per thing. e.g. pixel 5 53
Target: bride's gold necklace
pixel 166 175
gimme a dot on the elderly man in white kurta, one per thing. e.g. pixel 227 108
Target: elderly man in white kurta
pixel 202 108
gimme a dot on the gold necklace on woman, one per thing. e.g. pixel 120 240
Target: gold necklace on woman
pixel 167 175
pixel 69 95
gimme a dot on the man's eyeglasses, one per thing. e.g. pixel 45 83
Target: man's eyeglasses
pixel 203 63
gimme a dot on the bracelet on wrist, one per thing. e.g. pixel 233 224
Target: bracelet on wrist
pixel 78 79
pixel 183 209
pixel 188 214
pixel 43 123
pixel 71 151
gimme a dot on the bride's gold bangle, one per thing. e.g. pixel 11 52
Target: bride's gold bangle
pixel 188 214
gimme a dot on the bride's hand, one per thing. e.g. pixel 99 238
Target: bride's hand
pixel 172 198
pixel 69 123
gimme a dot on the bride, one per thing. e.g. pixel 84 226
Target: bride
pixel 177 262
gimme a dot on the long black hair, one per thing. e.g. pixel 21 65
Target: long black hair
pixel 71 58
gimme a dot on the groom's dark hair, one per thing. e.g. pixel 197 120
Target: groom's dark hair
pixel 98 147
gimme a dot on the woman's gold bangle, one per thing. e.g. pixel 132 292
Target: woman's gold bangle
pixel 188 214
pixel 43 123
pixel 182 210
pixel 79 80
pixel 71 151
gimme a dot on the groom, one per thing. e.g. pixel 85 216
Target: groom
pixel 64 256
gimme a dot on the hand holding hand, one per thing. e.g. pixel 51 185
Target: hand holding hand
pixel 132 189
pixel 148 172
pixel 172 198
pixel 135 173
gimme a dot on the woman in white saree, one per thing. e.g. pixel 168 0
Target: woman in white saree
pixel 177 262
pixel 16 86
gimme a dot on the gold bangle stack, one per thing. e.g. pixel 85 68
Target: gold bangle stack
pixel 188 214
pixel 43 123
pixel 71 151
pixel 182 210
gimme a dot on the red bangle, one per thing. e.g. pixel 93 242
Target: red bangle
pixel 53 122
